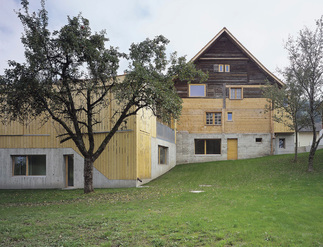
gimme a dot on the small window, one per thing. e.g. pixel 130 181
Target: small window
pixel 162 155
pixel 259 140
pixel 213 118
pixel 29 165
pixel 235 93
pixel 221 68
pixel 282 143
pixel 207 146
pixel 229 116
pixel 197 90
pixel 227 68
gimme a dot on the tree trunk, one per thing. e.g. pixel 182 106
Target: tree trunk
pixel 88 175
pixel 311 159
pixel 296 147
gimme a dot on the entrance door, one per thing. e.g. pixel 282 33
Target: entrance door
pixel 69 170
pixel 232 151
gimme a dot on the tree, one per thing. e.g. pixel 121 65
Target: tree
pixel 287 105
pixel 306 69
pixel 69 76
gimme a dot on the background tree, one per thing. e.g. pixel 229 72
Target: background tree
pixel 306 68
pixel 287 105
pixel 69 76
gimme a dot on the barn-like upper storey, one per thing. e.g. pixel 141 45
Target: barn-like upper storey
pixel 228 62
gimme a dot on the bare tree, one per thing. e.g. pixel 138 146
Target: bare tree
pixel 306 69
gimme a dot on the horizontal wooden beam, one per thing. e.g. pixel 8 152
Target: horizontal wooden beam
pixel 224 58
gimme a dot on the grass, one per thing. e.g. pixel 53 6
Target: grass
pixel 267 201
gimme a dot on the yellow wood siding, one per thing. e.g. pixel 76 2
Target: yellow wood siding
pixel 248 116
pixel 232 153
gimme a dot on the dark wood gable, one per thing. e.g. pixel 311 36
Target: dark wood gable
pixel 244 69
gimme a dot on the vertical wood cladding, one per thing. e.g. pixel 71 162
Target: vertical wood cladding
pixel 244 70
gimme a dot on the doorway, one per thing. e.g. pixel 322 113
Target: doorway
pixel 232 152
pixel 69 170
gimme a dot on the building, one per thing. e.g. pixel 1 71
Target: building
pixel 224 118
pixel 31 156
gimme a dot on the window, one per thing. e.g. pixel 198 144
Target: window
pixel 197 90
pixel 213 118
pixel 281 142
pixel 29 165
pixel 221 68
pixel 227 68
pixel 235 93
pixel 229 116
pixel 258 139
pixel 207 146
pixel 162 155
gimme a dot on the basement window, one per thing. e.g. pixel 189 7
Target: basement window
pixel 282 143
pixel 207 146
pixel 29 165
pixel 259 140
pixel 162 155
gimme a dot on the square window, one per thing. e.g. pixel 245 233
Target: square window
pixel 235 93
pixel 229 116
pixel 162 155
pixel 258 139
pixel 197 90
pixel 213 118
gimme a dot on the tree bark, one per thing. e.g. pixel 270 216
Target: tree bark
pixel 296 147
pixel 311 159
pixel 88 175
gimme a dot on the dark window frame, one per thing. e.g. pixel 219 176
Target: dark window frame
pixel 207 146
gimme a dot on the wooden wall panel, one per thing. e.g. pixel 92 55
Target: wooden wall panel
pixel 248 116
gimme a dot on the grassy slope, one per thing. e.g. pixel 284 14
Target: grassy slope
pixel 268 201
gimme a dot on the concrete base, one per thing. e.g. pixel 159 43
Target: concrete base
pixel 247 146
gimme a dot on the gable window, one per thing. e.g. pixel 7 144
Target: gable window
pixel 235 93
pixel 230 116
pixel 162 155
pixel 213 118
pixel 207 146
pixel 29 165
pixel 227 68
pixel 197 90
pixel 282 143
pixel 221 68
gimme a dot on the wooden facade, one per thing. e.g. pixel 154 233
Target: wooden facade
pixel 128 155
pixel 231 107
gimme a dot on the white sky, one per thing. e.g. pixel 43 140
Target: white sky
pixel 261 26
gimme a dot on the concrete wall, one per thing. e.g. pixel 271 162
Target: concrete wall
pixel 55 171
pixel 247 146
pixel 289 144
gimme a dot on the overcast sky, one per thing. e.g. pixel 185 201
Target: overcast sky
pixel 261 26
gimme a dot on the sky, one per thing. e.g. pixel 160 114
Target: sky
pixel 262 27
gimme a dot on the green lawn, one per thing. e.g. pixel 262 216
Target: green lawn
pixel 267 201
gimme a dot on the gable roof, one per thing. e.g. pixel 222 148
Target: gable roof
pixel 242 48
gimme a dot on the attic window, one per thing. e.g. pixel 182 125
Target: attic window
pixel 221 68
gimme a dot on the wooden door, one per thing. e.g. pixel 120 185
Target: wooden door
pixel 232 151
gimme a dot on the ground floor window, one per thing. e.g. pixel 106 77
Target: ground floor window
pixel 29 165
pixel 282 143
pixel 207 146
pixel 162 155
